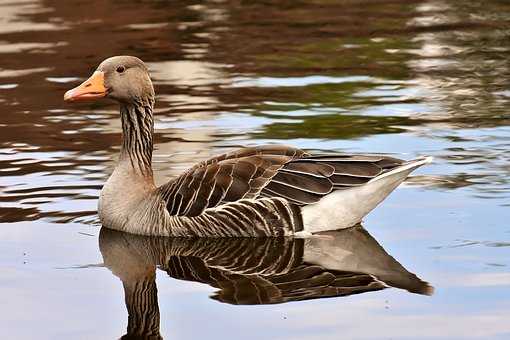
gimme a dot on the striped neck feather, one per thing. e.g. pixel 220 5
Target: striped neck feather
pixel 137 135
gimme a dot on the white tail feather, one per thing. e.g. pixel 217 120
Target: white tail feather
pixel 344 208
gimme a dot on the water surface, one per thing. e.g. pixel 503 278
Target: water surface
pixel 406 78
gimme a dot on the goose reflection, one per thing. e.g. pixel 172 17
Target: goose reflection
pixel 250 271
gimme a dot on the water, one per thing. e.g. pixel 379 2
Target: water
pixel 400 77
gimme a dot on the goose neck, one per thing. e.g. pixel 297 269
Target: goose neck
pixel 137 135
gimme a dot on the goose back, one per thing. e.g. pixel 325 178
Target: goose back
pixel 272 171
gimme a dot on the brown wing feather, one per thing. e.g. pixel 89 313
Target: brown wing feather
pixel 269 171
pixel 226 178
pixel 307 179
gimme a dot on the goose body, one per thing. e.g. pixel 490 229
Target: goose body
pixel 271 190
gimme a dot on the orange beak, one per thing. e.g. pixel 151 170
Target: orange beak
pixel 90 89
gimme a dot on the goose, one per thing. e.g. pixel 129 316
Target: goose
pixel 268 190
pixel 251 271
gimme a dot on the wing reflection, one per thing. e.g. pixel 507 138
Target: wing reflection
pixel 251 271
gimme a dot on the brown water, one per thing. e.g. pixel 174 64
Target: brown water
pixel 400 77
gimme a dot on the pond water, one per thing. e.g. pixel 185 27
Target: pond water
pixel 405 78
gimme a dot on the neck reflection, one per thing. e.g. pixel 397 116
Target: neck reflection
pixel 250 271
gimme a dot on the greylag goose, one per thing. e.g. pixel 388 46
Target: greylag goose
pixel 270 190
pixel 248 271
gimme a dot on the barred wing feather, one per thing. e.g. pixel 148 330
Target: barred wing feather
pixel 269 171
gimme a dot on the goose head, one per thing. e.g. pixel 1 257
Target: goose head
pixel 122 78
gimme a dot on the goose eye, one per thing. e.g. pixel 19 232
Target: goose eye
pixel 121 69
